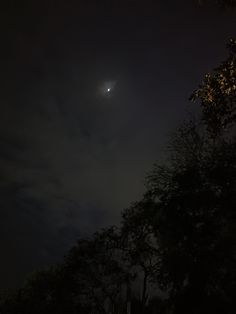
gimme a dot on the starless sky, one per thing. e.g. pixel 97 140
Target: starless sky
pixel 72 156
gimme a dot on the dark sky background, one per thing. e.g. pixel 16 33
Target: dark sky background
pixel 72 157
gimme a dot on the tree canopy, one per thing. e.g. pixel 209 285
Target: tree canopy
pixel 217 94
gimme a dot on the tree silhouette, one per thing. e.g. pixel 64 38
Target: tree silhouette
pixel 97 273
pixel 217 94
pixel 194 197
pixel 141 247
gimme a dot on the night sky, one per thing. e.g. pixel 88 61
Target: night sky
pixel 73 153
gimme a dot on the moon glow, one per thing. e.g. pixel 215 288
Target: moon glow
pixel 106 88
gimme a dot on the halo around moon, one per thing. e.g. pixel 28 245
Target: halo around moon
pixel 107 88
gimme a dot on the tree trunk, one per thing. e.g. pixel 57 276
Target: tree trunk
pixel 144 292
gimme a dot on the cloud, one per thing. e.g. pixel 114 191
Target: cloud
pixel 67 168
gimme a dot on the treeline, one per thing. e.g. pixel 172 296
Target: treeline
pixel 175 249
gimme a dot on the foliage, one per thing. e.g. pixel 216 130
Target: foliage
pixel 195 224
pixel 217 94
pixel 96 271
pixel 140 245
pixel 45 292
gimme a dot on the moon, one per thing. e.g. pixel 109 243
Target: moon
pixel 107 87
